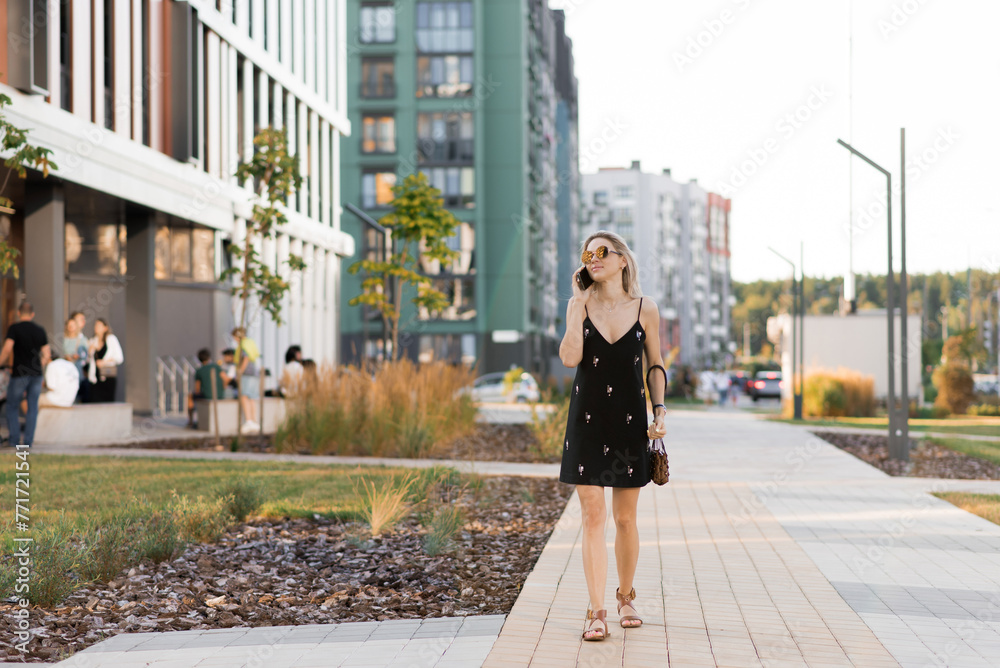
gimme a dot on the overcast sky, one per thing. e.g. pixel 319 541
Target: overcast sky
pixel 706 87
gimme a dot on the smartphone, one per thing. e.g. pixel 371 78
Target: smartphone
pixel 584 279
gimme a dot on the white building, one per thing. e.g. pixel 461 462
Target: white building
pixel 680 235
pixel 858 342
pixel 148 106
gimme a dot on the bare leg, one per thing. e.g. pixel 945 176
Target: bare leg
pixel 623 503
pixel 595 551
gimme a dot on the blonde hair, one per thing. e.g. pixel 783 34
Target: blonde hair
pixel 630 273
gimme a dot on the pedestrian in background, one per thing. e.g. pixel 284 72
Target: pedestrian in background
pixel 74 346
pixel 81 324
pixel 246 357
pixel 203 387
pixel 105 357
pixel 27 348
pixel 292 375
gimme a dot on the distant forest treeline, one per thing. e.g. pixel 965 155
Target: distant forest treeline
pixel 933 295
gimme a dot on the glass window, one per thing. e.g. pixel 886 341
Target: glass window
pixel 203 255
pixel 94 248
pixel 378 78
pixel 161 255
pixel 180 253
pixel 457 185
pixel 600 197
pixel 376 188
pixel 445 137
pixel 378 24
pixel 623 192
pixel 461 295
pixel 378 133
pixel 184 254
pixel 444 27
pixel 444 76
pixel 623 215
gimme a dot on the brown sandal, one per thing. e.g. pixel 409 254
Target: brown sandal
pixel 592 617
pixel 622 602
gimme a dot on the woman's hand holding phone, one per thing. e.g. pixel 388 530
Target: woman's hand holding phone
pixel 583 285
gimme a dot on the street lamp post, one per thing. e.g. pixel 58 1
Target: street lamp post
pixel 796 342
pixel 898 444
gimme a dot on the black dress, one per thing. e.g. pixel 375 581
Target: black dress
pixel 606 442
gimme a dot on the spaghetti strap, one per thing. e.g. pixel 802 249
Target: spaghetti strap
pixel 638 315
pixel 586 311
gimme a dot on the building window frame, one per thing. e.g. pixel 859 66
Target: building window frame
pixel 372 86
pixel 373 124
pixel 376 193
pixel 370 17
pixel 446 138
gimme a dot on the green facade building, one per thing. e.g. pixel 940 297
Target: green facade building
pixel 463 90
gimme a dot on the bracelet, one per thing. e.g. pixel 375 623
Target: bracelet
pixel 663 406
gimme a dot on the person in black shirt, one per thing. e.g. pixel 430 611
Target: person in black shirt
pixel 28 348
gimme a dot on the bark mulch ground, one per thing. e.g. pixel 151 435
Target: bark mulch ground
pixel 317 571
pixel 927 460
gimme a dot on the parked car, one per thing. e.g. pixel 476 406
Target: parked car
pixel 489 388
pixel 767 384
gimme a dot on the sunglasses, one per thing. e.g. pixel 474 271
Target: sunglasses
pixel 600 252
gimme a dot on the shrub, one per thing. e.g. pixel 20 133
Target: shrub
pixel 955 387
pixel 56 555
pixel 446 522
pixel 202 520
pixel 160 537
pixel 840 393
pixel 383 507
pixel 246 496
pixel 399 409
pixel 107 550
pixel 989 409
pixel 549 431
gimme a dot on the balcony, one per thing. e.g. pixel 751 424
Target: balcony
pixel 378 90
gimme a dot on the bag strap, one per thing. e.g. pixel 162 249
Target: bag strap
pixel 657 366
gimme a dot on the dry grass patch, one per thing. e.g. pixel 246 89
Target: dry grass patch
pixel 986 506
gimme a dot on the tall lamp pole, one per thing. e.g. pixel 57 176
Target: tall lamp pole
pixel 898 447
pixel 796 393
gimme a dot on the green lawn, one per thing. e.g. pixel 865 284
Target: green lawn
pixel 984 505
pixel 988 450
pixel 75 487
pixel 967 426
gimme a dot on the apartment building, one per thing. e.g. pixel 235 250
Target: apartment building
pixel 481 97
pixel 148 107
pixel 680 235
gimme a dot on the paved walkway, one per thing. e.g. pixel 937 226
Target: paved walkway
pixel 769 548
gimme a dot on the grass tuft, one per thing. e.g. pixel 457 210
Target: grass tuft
pixel 200 519
pixel 383 506
pixel 246 496
pixel 445 523
pixel 986 506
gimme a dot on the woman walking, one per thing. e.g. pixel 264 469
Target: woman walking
pixel 105 357
pixel 606 432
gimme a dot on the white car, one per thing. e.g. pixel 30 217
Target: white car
pixel 489 388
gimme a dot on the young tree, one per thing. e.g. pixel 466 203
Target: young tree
pixel 275 175
pixel 419 226
pixel 13 138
